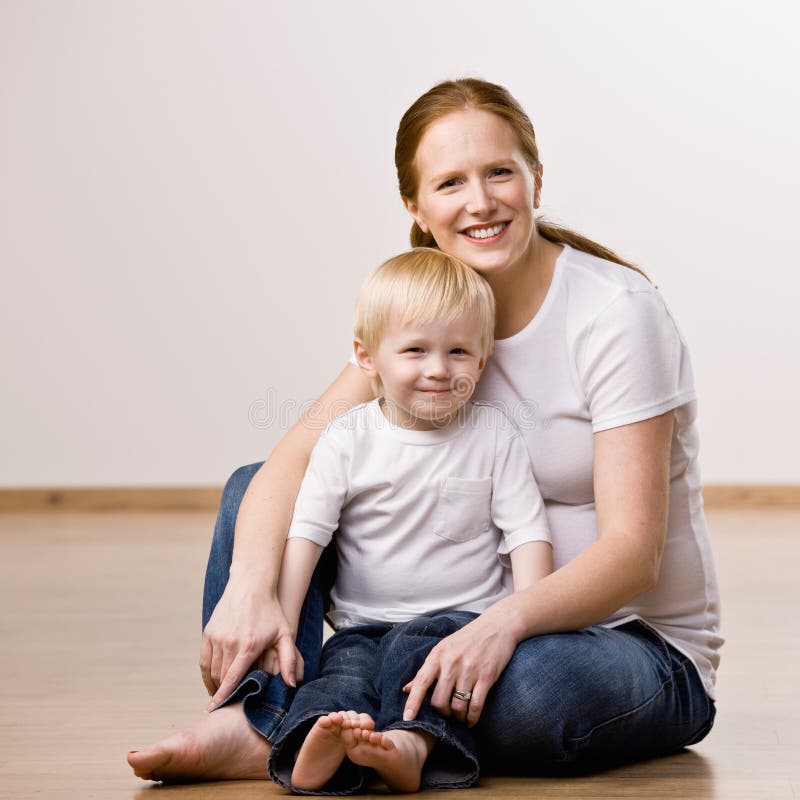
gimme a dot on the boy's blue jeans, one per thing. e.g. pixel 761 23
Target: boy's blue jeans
pixel 364 669
pixel 566 702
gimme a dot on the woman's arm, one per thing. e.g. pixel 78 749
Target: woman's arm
pixel 631 480
pixel 248 618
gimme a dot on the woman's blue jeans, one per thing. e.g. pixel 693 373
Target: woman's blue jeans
pixel 566 702
pixel 365 668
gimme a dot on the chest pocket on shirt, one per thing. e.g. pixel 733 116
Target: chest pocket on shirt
pixel 464 509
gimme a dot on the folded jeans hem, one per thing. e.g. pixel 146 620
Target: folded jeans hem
pixel 440 731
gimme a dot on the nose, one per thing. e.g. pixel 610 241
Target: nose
pixel 481 202
pixel 435 367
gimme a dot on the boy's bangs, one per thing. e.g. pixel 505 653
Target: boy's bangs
pixel 434 297
pixel 420 287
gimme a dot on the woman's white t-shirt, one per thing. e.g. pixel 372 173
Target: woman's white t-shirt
pixel 604 351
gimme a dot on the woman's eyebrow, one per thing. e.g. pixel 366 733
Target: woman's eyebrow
pixel 493 164
pixel 443 176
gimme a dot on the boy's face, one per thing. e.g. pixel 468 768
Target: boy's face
pixel 428 371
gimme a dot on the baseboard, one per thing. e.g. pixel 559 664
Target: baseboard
pixel 192 498
pixel 752 495
pixel 206 498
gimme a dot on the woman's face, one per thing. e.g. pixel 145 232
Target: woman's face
pixel 476 192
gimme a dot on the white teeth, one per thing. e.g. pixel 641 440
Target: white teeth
pixel 485 233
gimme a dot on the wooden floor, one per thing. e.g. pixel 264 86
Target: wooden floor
pixel 99 639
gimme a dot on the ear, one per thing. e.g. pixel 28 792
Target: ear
pixel 537 185
pixel 364 359
pixel 413 209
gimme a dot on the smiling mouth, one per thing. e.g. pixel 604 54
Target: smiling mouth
pixel 481 232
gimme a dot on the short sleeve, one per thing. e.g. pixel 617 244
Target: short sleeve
pixel 323 491
pixel 634 364
pixel 517 505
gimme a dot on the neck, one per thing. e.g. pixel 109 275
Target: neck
pixel 519 291
pixel 402 419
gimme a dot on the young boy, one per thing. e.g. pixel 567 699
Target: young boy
pixel 430 497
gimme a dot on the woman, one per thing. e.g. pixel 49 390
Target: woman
pixel 612 657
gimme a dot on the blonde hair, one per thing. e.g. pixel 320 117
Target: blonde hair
pixel 418 287
pixel 457 95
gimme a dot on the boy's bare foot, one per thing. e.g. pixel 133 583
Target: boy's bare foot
pixel 397 756
pixel 323 750
pixel 220 746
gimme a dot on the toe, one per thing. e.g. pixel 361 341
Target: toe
pixel 365 722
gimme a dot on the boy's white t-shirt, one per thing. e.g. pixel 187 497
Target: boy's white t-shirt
pixel 426 519
pixel 604 351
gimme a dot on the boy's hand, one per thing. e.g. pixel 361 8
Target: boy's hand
pixel 271 663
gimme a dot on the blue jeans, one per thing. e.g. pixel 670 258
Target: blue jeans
pixel 364 668
pixel 566 702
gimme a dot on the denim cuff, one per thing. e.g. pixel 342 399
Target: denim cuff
pixel 263 699
pixel 453 762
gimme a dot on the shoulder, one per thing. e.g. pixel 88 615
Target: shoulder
pixel 599 273
pixel 593 283
pixel 600 290
pixel 348 426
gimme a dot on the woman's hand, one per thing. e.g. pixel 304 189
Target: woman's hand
pixel 469 660
pixel 244 625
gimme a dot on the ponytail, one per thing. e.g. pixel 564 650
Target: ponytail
pixel 558 234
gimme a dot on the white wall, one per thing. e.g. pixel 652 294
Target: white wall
pixel 192 190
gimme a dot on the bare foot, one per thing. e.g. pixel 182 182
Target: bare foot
pixel 323 750
pixel 397 756
pixel 219 747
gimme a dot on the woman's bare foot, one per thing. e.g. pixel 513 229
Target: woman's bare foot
pixel 397 756
pixel 323 750
pixel 219 747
